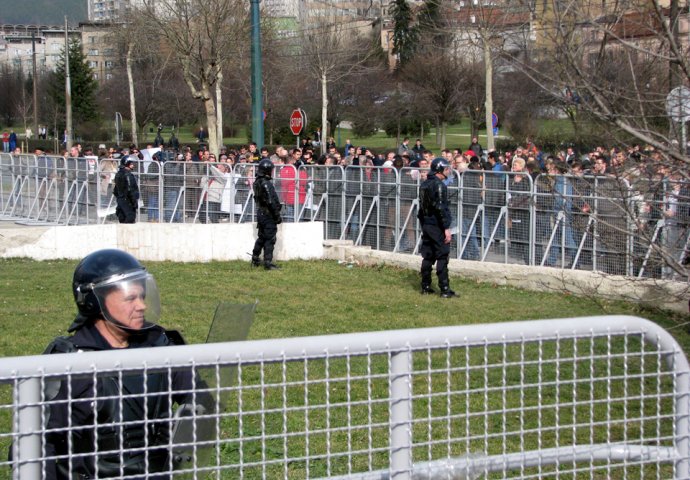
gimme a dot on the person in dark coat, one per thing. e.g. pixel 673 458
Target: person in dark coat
pixel 435 218
pixel 114 425
pixel 268 215
pixel 126 192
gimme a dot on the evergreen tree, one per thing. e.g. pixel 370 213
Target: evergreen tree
pixel 405 34
pixel 432 24
pixel 83 85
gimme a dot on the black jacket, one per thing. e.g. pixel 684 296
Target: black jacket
pixel 108 412
pixel 433 203
pixel 126 186
pixel 266 198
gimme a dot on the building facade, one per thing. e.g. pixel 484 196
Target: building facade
pixel 17 43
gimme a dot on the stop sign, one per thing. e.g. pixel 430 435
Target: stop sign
pixel 297 121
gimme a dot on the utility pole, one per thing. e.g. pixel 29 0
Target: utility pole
pixel 33 59
pixel 257 94
pixel 68 93
pixel 489 101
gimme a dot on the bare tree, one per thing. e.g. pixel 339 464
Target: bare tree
pixel 613 65
pixel 336 49
pixel 615 59
pixel 203 35
pixel 437 80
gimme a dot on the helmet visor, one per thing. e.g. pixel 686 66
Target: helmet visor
pixel 130 301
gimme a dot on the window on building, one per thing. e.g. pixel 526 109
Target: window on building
pixel 108 64
pixel 95 76
pixel 93 52
pixel 108 76
pixel 93 64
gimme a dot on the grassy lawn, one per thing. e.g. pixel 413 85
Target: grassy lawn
pixel 324 297
pixel 304 298
pixel 457 135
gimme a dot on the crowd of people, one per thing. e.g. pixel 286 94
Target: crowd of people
pixel 654 187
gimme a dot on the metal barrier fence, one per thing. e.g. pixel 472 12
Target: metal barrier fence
pixel 598 397
pixel 636 226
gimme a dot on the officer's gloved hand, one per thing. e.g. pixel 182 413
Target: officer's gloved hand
pixel 279 220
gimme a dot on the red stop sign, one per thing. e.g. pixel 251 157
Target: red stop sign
pixel 296 121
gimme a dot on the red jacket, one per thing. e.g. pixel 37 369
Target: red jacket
pixel 287 185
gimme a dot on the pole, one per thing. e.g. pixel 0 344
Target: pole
pixel 257 95
pixel 68 93
pixel 35 92
pixel 489 104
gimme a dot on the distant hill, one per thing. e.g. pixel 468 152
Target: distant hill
pixel 42 12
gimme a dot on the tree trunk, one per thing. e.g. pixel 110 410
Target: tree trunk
pixel 324 111
pixel 444 124
pixel 219 112
pixel 489 105
pixel 438 141
pixel 211 120
pixel 132 103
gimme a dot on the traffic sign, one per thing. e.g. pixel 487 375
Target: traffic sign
pixel 678 104
pixel 298 119
pixel 494 120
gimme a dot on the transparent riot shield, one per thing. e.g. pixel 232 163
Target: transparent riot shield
pixel 194 431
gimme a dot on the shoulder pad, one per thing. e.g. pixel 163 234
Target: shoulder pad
pixel 60 345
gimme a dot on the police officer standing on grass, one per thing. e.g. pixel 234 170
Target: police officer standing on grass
pixel 126 192
pixel 113 425
pixel 435 218
pixel 268 215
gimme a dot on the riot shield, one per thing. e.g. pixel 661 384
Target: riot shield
pixel 195 425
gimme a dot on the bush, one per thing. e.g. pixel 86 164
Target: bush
pixel 409 127
pixel 92 132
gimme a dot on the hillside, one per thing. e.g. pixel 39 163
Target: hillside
pixel 44 12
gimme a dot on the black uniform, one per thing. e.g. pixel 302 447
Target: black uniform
pixel 268 218
pixel 126 192
pixel 434 216
pixel 120 430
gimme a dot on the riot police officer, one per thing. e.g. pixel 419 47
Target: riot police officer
pixel 435 218
pixel 126 192
pixel 268 215
pixel 112 425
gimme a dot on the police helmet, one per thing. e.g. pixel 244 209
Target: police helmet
pixel 265 168
pixel 126 160
pixel 104 272
pixel 438 165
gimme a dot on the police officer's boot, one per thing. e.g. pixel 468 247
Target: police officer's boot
pixel 255 261
pixel 427 290
pixel 446 292
pixel 271 266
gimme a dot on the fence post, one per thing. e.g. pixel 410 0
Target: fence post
pixel 401 415
pixel 27 447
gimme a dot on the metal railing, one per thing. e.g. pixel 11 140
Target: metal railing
pixel 598 397
pixel 636 227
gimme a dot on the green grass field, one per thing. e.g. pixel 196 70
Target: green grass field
pixel 324 297
pixel 304 298
pixel 457 135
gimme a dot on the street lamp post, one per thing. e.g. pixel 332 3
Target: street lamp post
pixel 257 95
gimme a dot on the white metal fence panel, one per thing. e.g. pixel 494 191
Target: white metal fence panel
pixel 638 228
pixel 599 397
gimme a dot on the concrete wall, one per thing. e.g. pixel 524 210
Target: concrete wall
pixel 161 241
pixel 662 294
